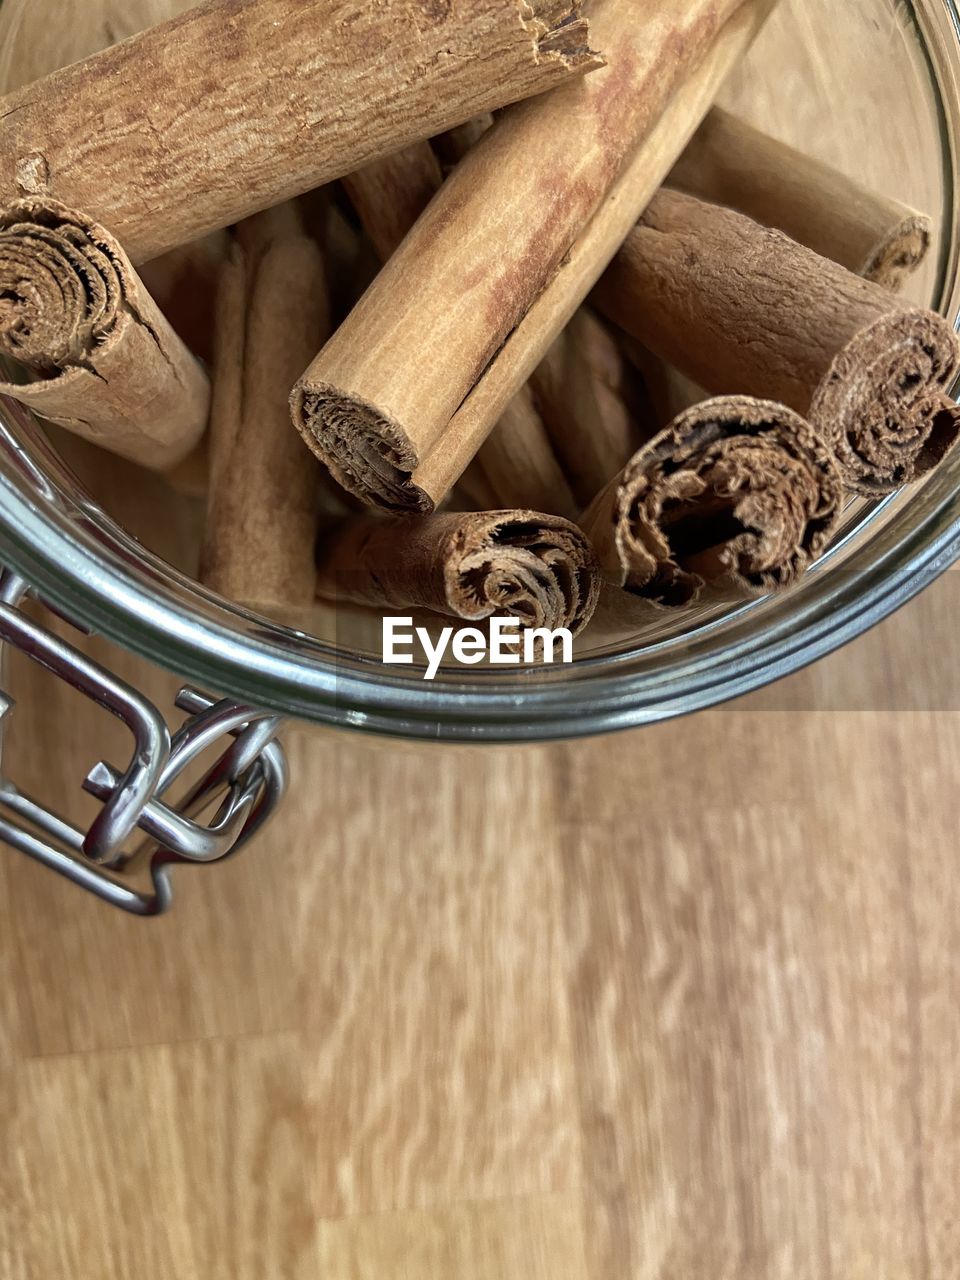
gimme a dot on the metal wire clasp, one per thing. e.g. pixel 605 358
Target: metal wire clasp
pixel 246 782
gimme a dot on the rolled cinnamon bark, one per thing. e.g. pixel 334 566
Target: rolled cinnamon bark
pixel 530 341
pixel 452 146
pixel 736 493
pixel 40 36
pixel 741 308
pixel 262 507
pixel 390 194
pixel 97 355
pixel 589 404
pixel 538 568
pixel 469 271
pixel 730 162
pixel 235 106
pixel 516 466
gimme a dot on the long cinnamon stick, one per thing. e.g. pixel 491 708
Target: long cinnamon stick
pixel 96 354
pixel 237 105
pixel 412 455
pixel 477 259
pixel 390 194
pixel 730 162
pixel 736 493
pixel 554 308
pixel 535 567
pixel 741 308
pixel 516 466
pixel 262 507
pixel 589 403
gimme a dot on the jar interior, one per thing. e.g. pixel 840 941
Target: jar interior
pixel 794 84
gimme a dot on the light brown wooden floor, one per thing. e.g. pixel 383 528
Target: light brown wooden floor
pixel 680 1003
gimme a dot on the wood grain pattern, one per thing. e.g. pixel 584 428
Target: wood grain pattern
pixel 681 1003
pixel 581 1011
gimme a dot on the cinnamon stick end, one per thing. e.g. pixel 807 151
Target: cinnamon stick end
pixel 366 451
pixel 883 404
pixel 536 567
pixel 739 494
pixel 900 253
pixel 563 33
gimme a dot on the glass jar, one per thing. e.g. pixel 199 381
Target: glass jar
pixel 902 135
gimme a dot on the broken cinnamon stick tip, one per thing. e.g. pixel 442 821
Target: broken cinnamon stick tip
pixel 883 403
pixel 900 253
pixel 538 568
pixel 562 32
pixel 738 494
pixel 366 452
pixel 98 356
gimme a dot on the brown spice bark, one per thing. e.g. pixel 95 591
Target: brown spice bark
pixel 556 305
pixel 732 163
pixel 469 272
pixel 740 308
pixel 738 494
pixel 95 353
pixel 263 502
pixel 40 36
pixel 390 194
pixel 589 399
pixel 516 466
pixel 535 567
pixel 238 105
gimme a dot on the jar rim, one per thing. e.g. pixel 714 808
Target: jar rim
pixel 97 575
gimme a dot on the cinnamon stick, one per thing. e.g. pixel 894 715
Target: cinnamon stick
pixel 262 507
pixel 736 493
pixel 390 194
pixel 516 466
pixel 237 105
pixel 589 403
pixel 730 162
pixel 40 36
pixel 96 354
pixel 475 262
pixel 741 308
pixel 538 568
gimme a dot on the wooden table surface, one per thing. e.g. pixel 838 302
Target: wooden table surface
pixel 683 1002
pixel 679 1004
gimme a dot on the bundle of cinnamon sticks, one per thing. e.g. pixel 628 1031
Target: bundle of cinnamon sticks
pixel 409 289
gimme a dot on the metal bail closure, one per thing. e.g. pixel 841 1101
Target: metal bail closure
pixel 242 787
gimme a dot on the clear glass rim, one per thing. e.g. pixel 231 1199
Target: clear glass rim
pixel 96 574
